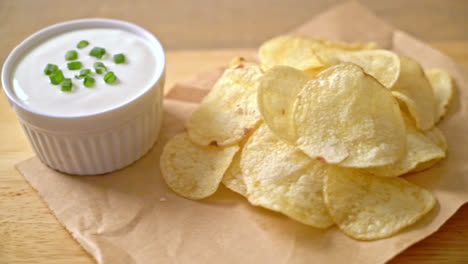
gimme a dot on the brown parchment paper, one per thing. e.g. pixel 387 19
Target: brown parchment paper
pixel 130 216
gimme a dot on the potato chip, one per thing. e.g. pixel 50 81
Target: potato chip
pixel 277 92
pixel 421 147
pixel 229 111
pixel 191 170
pixel 436 136
pixel 442 86
pixel 414 90
pixel 300 52
pixel 280 177
pixel 293 51
pixel 383 65
pixel 345 116
pixel 368 207
pixel 233 178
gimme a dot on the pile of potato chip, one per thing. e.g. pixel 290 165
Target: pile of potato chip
pixel 320 131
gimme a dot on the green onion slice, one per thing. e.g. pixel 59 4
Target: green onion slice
pixel 56 77
pixel 71 55
pixel 66 85
pixel 83 73
pixel 109 77
pixel 119 58
pixel 97 52
pixel 88 81
pixel 74 65
pixel 82 44
pixel 50 68
pixel 99 67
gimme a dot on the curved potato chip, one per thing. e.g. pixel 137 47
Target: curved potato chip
pixel 229 111
pixel 233 178
pixel 280 177
pixel 345 116
pixel 415 91
pixel 420 148
pixel 276 95
pixel 436 136
pixel 194 171
pixel 368 207
pixel 300 52
pixel 294 51
pixel 383 65
pixel 442 85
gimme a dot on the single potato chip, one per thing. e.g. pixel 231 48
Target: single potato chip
pixel 344 116
pixel 421 148
pixel 280 177
pixel 436 136
pixel 233 178
pixel 294 51
pixel 383 65
pixel 368 207
pixel 194 171
pixel 300 52
pixel 277 92
pixel 229 111
pixel 442 86
pixel 414 90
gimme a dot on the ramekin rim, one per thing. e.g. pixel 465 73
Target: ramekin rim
pixel 16 53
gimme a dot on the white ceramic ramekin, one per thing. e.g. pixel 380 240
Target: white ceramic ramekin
pixel 97 143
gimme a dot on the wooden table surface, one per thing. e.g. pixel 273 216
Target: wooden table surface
pixel 198 35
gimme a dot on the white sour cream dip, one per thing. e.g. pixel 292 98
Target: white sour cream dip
pixel 34 89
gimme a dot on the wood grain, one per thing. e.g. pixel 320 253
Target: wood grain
pixel 29 233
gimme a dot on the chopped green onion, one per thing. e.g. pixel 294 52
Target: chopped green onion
pixel 88 81
pixel 119 58
pixel 56 77
pixel 74 65
pixel 100 70
pixel 82 44
pixel 99 67
pixel 71 55
pixel 97 52
pixel 66 85
pixel 83 73
pixel 109 77
pixel 50 68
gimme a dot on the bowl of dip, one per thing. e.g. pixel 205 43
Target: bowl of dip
pixel 91 126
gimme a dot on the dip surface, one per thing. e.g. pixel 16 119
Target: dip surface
pixel 34 89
